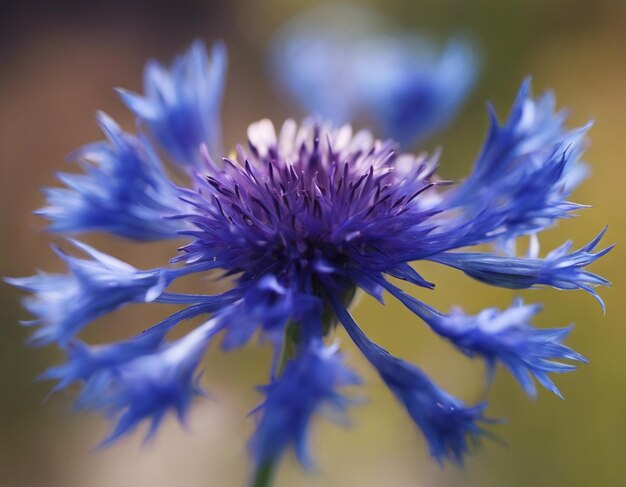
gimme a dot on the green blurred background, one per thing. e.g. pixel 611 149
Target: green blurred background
pixel 59 63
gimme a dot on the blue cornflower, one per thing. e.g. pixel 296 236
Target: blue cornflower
pixel 299 220
pixel 407 86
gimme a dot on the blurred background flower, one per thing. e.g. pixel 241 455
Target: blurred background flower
pixel 59 63
pixel 342 62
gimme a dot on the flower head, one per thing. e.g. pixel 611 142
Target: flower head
pixel 308 205
pixel 299 220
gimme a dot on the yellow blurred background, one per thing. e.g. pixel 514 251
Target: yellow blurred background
pixel 59 63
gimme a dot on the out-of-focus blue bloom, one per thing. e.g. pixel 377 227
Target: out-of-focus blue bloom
pixel 307 385
pixel 181 106
pixel 298 222
pixel 527 169
pixel 411 88
pixel 447 424
pixel 124 190
pixel 310 59
pixel 407 86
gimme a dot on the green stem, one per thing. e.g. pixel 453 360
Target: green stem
pixel 290 347
pixel 264 474
pixel 329 320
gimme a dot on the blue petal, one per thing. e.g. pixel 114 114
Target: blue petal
pixel 559 269
pixel 66 303
pixel 181 105
pixel 448 425
pixel 123 191
pixel 84 361
pixel 267 304
pixel 148 386
pixel 309 382
pixel 527 169
pixel 502 336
